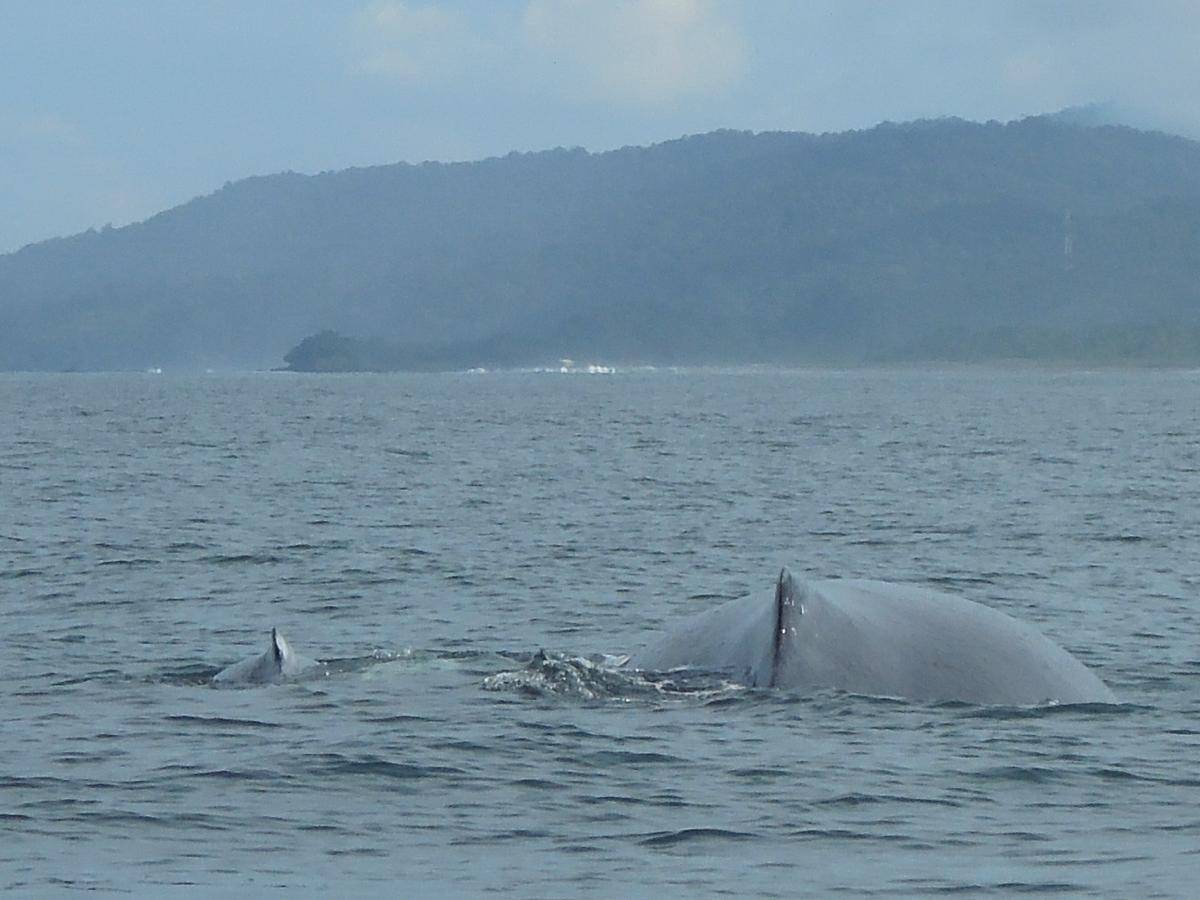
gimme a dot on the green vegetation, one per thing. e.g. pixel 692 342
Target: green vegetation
pixel 328 351
pixel 1166 345
pixel 932 240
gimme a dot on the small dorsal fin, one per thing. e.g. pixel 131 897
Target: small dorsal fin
pixel 787 610
pixel 278 646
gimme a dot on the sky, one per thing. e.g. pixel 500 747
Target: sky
pixel 113 110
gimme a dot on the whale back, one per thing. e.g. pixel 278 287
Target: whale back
pixel 278 663
pixel 733 638
pixel 873 637
pixel 880 639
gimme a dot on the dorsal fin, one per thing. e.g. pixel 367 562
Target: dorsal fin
pixel 787 609
pixel 278 646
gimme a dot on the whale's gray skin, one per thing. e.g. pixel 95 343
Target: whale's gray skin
pixel 279 663
pixel 880 639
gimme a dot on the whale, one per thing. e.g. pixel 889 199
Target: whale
pixel 879 639
pixel 279 663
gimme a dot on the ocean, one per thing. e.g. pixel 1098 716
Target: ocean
pixel 464 550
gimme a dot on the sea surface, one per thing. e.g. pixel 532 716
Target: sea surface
pixel 463 550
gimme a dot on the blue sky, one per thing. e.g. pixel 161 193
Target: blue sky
pixel 112 110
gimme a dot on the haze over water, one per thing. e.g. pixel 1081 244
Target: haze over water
pixel 428 533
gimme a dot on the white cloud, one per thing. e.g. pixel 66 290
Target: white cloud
pixel 650 52
pixel 1143 61
pixel 412 44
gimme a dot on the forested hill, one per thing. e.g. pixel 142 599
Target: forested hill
pixel 926 240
